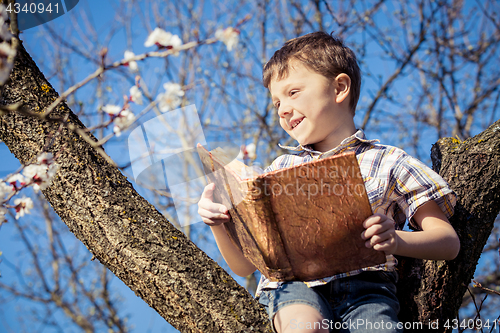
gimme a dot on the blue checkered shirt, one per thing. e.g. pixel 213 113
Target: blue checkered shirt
pixel 396 184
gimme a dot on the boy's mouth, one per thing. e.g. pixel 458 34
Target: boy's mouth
pixel 296 122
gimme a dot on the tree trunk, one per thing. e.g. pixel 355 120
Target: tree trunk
pixel 119 227
pixel 130 237
pixel 432 291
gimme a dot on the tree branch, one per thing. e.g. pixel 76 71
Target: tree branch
pixel 120 228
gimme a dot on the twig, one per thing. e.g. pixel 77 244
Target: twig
pixel 103 68
pixel 480 286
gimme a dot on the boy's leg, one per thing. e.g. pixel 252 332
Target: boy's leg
pixel 299 318
pixel 366 303
pixel 296 308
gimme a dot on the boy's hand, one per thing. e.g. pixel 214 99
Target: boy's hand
pixel 212 213
pixel 380 234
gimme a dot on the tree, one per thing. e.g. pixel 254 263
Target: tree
pixel 136 243
pixel 433 290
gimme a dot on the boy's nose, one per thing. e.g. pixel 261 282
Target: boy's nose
pixel 284 110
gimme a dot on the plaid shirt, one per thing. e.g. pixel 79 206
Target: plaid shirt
pixel 396 184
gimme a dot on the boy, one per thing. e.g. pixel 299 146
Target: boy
pixel 314 81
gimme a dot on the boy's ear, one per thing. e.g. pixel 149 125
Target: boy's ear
pixel 342 87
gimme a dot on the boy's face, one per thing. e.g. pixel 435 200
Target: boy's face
pixel 313 109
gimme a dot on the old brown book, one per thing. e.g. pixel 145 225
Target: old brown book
pixel 297 223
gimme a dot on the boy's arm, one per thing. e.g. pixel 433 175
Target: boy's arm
pixel 437 240
pixel 232 254
pixel 215 215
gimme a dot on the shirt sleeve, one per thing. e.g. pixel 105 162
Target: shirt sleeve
pixel 414 184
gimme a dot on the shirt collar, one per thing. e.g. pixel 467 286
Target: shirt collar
pixel 349 142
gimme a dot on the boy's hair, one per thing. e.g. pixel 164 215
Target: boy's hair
pixel 323 53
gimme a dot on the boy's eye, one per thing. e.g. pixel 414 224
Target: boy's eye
pixel 277 105
pixel 293 92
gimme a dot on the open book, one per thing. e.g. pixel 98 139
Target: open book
pixel 297 223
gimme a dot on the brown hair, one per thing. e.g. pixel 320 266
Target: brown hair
pixel 323 53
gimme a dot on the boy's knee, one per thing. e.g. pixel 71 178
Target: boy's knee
pixel 298 318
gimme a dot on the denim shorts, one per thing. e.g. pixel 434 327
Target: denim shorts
pixel 365 302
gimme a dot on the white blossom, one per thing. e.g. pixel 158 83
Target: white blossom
pixel 45 158
pixel 17 177
pixel 171 98
pixel 111 109
pixel 250 148
pixel 132 65
pixel 163 38
pixel 247 152
pixel 33 170
pixel 40 174
pixel 136 95
pixel 158 37
pixel 228 36
pixel 5 190
pixel 124 119
pixel 37 187
pixel 23 206
pixel 175 42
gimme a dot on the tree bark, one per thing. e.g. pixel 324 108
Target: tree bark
pixel 130 237
pixel 432 291
pixel 119 227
